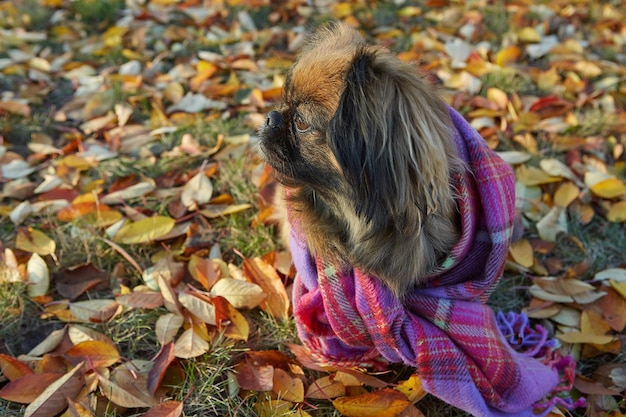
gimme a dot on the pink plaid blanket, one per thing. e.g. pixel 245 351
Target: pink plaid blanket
pixel 444 329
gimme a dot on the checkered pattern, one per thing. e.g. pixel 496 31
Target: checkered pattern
pixel 443 329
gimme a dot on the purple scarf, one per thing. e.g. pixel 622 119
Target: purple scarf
pixel 444 329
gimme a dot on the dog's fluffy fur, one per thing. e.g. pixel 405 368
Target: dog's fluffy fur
pixel 363 148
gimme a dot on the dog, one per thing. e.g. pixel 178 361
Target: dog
pixel 362 146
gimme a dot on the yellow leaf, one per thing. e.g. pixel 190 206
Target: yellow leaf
pixel 497 96
pixel 609 188
pixel 287 387
pixel 534 176
pixel 522 252
pixel 528 34
pixel 34 241
pixel 566 194
pixel 507 55
pixel 412 388
pixel 580 337
pixel 617 212
pixel 618 286
pixel 383 403
pixel 145 230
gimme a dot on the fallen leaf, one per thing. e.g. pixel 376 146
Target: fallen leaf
pixel 412 388
pixel 27 388
pixel 93 353
pixel 167 327
pixel 201 308
pixel 190 345
pixel 382 403
pixel 287 387
pixel 522 252
pixel 146 230
pixel 161 362
pixel 53 399
pixel 38 276
pixel 197 192
pixel 133 191
pixel 261 273
pixel 230 320
pixel 325 388
pixel 165 409
pixel 241 294
pixel 12 368
pixel 35 241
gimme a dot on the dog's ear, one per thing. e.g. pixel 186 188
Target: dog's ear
pixel 391 138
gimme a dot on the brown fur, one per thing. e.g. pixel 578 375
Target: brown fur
pixel 369 180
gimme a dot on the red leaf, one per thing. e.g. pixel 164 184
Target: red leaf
pixel 13 368
pixel 161 362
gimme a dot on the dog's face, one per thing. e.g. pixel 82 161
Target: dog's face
pixel 364 146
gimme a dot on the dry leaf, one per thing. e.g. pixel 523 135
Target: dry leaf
pixel 325 388
pixel 382 403
pixel 241 294
pixel 287 387
pixel 165 409
pixel 190 345
pixel 35 241
pixel 167 327
pixel 38 276
pixel 261 273
pixel 146 230
pixel 522 252
pixel 53 399
pixel 202 309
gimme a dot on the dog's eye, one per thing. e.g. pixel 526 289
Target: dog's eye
pixel 301 125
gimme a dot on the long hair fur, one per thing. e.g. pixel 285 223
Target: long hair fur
pixel 371 188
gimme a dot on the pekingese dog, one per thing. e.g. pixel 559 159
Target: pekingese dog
pixel 363 148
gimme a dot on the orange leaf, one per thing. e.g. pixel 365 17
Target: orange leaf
pixel 230 320
pixel 26 389
pixel 617 212
pixel 507 55
pixel 261 273
pixel 95 353
pixel 13 368
pixel 383 403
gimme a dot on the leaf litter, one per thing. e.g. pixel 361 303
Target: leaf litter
pixel 104 137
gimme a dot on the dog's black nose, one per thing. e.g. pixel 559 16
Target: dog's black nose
pixel 274 119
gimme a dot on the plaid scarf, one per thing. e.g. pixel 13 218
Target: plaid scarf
pixel 444 329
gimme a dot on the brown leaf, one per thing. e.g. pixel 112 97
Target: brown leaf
pixel 205 271
pixel 27 388
pixel 165 409
pixel 190 344
pixel 613 308
pixel 140 300
pixel 53 399
pixel 287 387
pixel 73 282
pixel 255 377
pixel 161 362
